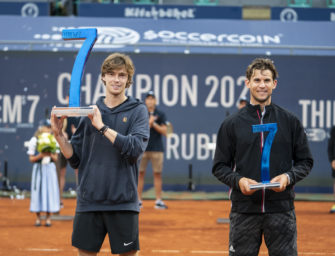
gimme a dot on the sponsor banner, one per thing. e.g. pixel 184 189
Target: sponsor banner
pixel 203 88
pixel 302 14
pixel 177 12
pixel 172 36
pixel 25 9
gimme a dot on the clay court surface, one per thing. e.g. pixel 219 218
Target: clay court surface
pixel 186 228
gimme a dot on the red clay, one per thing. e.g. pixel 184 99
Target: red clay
pixel 186 228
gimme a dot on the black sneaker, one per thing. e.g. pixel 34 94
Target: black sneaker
pixel 160 205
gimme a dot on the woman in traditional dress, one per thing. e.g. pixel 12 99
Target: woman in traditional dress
pixel 43 152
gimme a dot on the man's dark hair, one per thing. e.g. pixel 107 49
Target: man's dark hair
pixel 117 61
pixel 261 64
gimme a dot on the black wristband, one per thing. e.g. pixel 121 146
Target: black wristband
pixel 103 129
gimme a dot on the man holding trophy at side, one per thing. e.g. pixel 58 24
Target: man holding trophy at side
pixel 261 152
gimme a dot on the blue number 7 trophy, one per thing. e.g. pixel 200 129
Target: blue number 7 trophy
pixel 74 109
pixel 265 164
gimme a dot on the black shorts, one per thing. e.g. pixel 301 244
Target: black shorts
pixel 90 229
pixel 61 161
pixel 279 230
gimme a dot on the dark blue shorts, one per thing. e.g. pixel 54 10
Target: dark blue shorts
pixel 279 230
pixel 90 229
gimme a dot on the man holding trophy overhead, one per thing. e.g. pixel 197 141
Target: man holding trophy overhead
pixel 106 148
pixel 261 152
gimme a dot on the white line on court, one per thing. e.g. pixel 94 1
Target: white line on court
pixel 317 253
pixel 226 252
pixel 210 252
pixel 166 251
pixel 43 250
pixel 175 251
pixel 310 253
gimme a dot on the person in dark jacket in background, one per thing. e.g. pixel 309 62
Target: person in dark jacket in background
pixel 106 148
pixel 331 157
pixel 263 212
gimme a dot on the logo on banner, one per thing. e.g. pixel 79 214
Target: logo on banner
pixel 29 10
pixel 108 37
pixel 316 134
pixel 160 13
pixel 288 14
pixel 332 16
pixel 116 37
pixel 183 37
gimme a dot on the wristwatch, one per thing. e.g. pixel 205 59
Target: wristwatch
pixel 103 129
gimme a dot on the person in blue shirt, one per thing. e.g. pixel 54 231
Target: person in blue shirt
pixel 155 150
pixel 106 148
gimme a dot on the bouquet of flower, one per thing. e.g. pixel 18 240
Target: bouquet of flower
pixel 46 143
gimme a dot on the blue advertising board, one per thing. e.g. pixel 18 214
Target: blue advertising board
pixel 173 36
pixel 302 14
pixel 191 12
pixel 196 91
pixel 25 9
pixel 177 12
pixel 203 88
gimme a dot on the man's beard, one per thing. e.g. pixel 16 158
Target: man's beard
pixel 262 100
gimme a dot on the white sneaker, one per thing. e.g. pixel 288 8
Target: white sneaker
pixel 160 205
